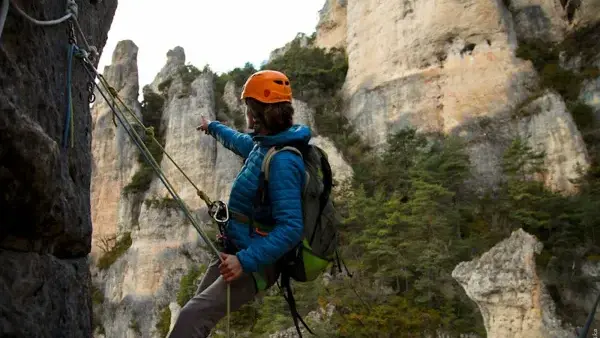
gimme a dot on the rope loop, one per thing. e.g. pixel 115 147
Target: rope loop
pixel 72 8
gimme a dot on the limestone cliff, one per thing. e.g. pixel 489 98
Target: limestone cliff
pixel 510 295
pixel 332 26
pixel 114 155
pixel 446 66
pixel 46 228
pixel 301 37
pixel 158 245
pixel 163 245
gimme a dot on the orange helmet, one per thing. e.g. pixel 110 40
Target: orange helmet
pixel 268 86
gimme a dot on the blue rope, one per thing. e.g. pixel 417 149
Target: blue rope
pixel 68 117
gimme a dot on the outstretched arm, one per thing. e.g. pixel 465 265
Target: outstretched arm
pixel 286 179
pixel 233 140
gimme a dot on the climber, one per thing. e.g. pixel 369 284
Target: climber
pixel 250 254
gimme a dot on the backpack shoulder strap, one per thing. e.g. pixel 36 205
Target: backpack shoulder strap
pixel 269 156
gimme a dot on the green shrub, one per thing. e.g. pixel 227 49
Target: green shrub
pixel 188 286
pixel 135 326
pixel 162 203
pixel 583 42
pixel 152 109
pixel 583 115
pixel 237 75
pixel 188 74
pixel 242 320
pixel 538 52
pixel 97 295
pixel 163 87
pixel 164 322
pixel 111 256
pixel 545 59
pixel 567 82
pixel 315 73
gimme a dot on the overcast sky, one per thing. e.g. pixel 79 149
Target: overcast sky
pixel 222 33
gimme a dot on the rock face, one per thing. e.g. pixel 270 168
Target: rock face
pixel 332 27
pixel 314 317
pixel 114 154
pixel 549 127
pixel 539 19
pixel 444 66
pixel 46 225
pixel 511 297
pixel 301 37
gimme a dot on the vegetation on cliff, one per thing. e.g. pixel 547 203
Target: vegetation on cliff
pixel 113 252
pixel 189 284
pixel 566 78
pixel 164 322
pixel 152 108
pixel 187 74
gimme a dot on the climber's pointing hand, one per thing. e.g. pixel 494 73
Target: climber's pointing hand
pixel 230 267
pixel 203 125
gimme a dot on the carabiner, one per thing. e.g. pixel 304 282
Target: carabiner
pixel 219 212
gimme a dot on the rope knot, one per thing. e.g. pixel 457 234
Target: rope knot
pixel 72 8
pixel 202 195
pixel 150 131
pixel 113 91
pixel 93 52
pixel 81 53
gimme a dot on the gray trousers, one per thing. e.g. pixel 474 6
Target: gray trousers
pixel 201 313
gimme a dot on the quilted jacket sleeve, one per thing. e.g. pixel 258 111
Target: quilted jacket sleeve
pixel 233 140
pixel 286 180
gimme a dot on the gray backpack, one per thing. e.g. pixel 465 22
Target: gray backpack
pixel 318 248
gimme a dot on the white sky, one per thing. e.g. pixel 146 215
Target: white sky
pixel 222 33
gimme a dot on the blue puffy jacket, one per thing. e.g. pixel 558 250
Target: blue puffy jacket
pixel 286 179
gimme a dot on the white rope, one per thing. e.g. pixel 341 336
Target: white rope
pixel 71 12
pixel 3 15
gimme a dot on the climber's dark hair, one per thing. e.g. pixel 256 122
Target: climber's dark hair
pixel 276 117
